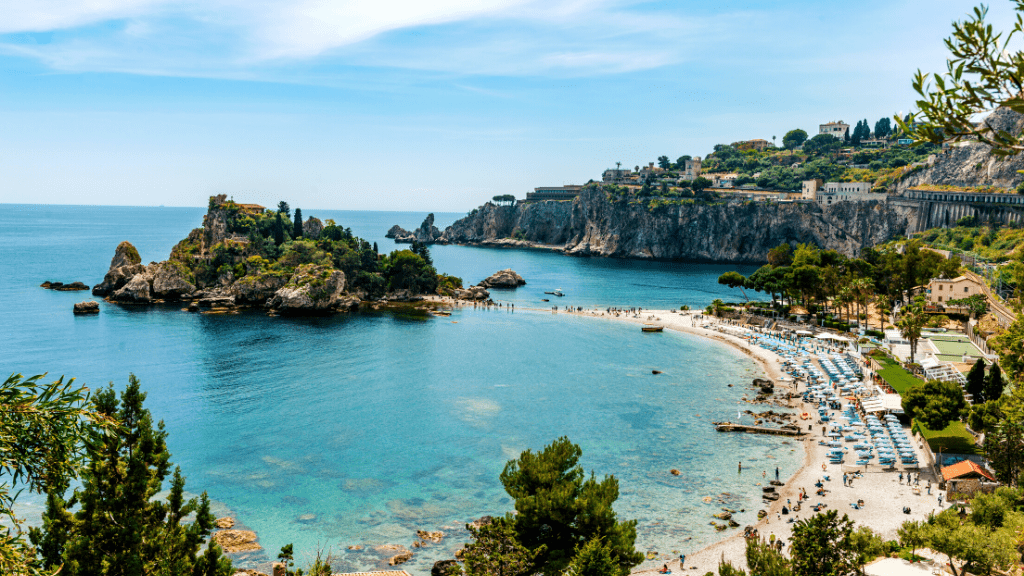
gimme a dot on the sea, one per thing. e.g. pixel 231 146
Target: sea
pixel 350 432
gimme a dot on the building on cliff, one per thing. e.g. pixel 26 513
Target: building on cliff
pixel 691 169
pixel 837 129
pixel 568 192
pixel 828 193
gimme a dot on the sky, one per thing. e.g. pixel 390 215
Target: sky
pixel 426 105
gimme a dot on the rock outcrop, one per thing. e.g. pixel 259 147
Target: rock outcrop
pixel 125 264
pixel 233 541
pixel 311 289
pixel 473 293
pixel 62 287
pixel 595 225
pixel 972 164
pixel 396 231
pixel 258 289
pixel 138 290
pixel 87 307
pixel 506 278
pixel 427 233
pixel 172 281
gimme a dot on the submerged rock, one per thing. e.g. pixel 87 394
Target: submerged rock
pixel 504 279
pixel 428 536
pixel 400 558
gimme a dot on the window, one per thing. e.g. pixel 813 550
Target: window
pixel 965 289
pixel 940 286
pixel 940 298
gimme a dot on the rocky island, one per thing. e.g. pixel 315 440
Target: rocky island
pixel 246 255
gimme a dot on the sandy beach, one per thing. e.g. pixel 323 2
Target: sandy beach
pixel 883 494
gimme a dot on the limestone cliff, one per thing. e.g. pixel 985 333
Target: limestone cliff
pixel 594 224
pixel 971 164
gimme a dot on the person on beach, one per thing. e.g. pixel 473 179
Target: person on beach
pixel 776 473
pixel 739 467
pixel 682 560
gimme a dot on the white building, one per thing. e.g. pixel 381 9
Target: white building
pixel 834 192
pixel 837 129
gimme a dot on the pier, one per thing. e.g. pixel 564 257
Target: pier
pixel 730 427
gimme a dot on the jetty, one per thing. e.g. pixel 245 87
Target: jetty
pixel 730 427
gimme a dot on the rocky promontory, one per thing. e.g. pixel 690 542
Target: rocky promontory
pixel 245 255
pixel 427 233
pixel 598 223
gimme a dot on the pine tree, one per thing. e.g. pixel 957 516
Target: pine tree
pixel 976 382
pixel 846 136
pixel 297 229
pixel 994 383
pixel 119 528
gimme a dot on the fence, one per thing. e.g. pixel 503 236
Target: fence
pixel 977 340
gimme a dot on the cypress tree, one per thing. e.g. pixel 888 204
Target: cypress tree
pixel 278 230
pixel 994 383
pixel 976 382
pixel 297 230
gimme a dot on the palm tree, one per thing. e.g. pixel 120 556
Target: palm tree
pixel 912 320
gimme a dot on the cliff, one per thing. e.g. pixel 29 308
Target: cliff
pixel 599 225
pixel 971 164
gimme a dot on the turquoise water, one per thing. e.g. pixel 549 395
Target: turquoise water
pixel 361 429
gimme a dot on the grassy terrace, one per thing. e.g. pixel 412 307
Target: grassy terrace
pixel 954 439
pixel 895 375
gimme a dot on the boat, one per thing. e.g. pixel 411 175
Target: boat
pixel 556 292
pixel 652 328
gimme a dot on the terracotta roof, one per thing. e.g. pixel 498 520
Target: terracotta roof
pixel 964 468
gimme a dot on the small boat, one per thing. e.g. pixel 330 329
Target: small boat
pixel 652 328
pixel 556 292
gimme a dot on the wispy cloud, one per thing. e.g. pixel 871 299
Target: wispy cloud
pixel 236 38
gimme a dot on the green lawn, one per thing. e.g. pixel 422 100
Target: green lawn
pixel 895 375
pixel 955 438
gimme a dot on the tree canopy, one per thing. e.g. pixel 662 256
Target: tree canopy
pixel 559 510
pixel 794 138
pixel 935 403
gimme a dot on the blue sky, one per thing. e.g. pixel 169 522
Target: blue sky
pixel 413 105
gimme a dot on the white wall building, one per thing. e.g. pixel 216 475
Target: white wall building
pixel 834 192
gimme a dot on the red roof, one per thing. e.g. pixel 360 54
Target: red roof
pixel 963 468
